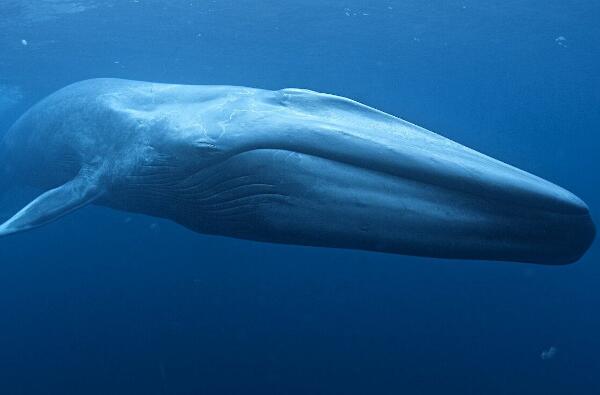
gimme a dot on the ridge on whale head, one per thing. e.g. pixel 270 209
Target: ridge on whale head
pixel 288 166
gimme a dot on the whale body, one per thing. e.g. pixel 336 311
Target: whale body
pixel 288 166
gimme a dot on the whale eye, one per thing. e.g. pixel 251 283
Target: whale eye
pixel 205 146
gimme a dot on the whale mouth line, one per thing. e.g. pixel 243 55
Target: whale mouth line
pixel 471 187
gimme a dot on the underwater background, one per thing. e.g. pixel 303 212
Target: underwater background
pixel 106 302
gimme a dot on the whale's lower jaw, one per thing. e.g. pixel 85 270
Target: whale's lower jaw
pixel 546 253
pixel 288 197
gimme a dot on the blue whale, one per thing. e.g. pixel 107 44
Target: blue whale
pixel 289 166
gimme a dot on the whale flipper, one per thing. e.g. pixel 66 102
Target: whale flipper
pixel 52 205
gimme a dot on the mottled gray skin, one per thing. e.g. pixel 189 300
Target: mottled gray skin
pixel 289 166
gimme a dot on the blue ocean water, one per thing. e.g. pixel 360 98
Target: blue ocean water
pixel 105 302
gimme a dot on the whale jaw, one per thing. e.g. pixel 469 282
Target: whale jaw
pixel 295 198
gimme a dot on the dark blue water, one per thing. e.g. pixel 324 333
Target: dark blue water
pixel 104 302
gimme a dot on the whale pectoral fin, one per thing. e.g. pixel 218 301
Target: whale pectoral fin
pixel 52 205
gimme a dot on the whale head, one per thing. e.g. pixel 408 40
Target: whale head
pixel 300 167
